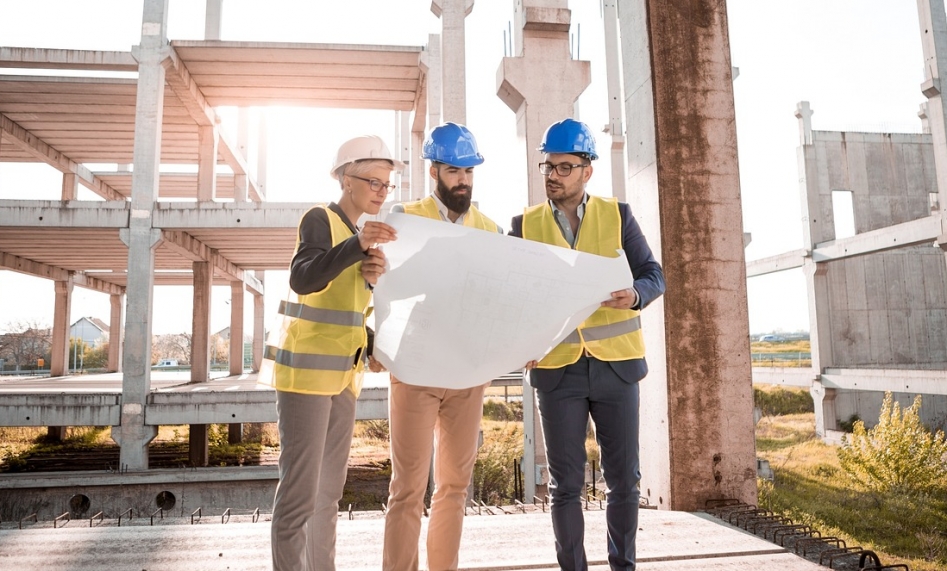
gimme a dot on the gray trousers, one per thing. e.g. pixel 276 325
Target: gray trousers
pixel 315 435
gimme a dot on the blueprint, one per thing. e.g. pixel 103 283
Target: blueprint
pixel 458 307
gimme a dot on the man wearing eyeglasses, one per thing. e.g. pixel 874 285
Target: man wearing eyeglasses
pixel 595 371
pixel 424 417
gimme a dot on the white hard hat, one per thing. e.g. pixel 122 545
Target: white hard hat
pixel 360 149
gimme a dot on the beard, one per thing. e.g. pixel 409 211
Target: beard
pixel 455 202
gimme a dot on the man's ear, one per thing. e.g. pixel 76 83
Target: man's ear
pixel 433 171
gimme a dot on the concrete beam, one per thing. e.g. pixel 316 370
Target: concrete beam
pixel 193 249
pixel 41 270
pixel 64 214
pixel 60 410
pixel 894 380
pixel 43 58
pixel 912 233
pixel 49 155
pixel 229 214
pixel 784 376
pixel 777 263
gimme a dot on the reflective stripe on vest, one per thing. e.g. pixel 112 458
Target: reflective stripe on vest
pixel 427 207
pixel 318 347
pixel 608 334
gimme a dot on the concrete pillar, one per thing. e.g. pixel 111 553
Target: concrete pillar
pixel 933 26
pixel 453 57
pixel 432 58
pixel 804 114
pixel 141 238
pixel 403 146
pixel 213 17
pixel 62 307
pixel 542 83
pixel 824 401
pixel 198 448
pixel 240 181
pixel 261 154
pixel 200 324
pixel 207 137
pixel 922 115
pixel 417 167
pixel 616 122
pixel 70 186
pixel 236 327
pixel 259 332
pixel 697 413
pixel 116 319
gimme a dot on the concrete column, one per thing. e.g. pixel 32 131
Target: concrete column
pixel 933 27
pixel 116 319
pixel 259 332
pixel 433 61
pixel 198 447
pixel 200 324
pixel 453 57
pixel 403 144
pixel 213 17
pixel 616 122
pixel 824 401
pixel 535 466
pixel 236 327
pixel 240 181
pixel 207 163
pixel 417 167
pixel 542 83
pixel 922 115
pixel 261 154
pixel 141 238
pixel 820 323
pixel 804 114
pixel 62 307
pixel 697 411
pixel 70 186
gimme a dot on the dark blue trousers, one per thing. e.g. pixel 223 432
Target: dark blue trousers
pixel 590 387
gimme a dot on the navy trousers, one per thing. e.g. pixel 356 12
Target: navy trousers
pixel 590 387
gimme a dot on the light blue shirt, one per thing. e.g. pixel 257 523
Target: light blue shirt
pixel 563 221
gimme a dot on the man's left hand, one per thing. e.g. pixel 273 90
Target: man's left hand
pixel 622 299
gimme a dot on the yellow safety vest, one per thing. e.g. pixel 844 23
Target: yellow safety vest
pixel 608 334
pixel 427 207
pixel 322 333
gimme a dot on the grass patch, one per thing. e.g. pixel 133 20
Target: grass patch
pixel 777 400
pixel 810 487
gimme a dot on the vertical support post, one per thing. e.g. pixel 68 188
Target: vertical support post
pixel 683 171
pixel 213 18
pixel 70 186
pixel 417 168
pixel 932 19
pixel 116 337
pixel 207 163
pixel 237 296
pixel 62 307
pixel 241 181
pixel 453 50
pixel 434 90
pixel 141 238
pixel 200 324
pixel 616 123
pixel 534 453
pixel 403 129
pixel 261 157
pixel 259 331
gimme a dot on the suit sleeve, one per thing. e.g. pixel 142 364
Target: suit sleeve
pixel 647 272
pixel 316 261
pixel 516 226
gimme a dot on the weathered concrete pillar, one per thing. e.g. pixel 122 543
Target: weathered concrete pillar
pixel 207 137
pixel 70 186
pixel 417 167
pixel 697 402
pixel 241 181
pixel 259 331
pixel 237 296
pixel 200 352
pixel 261 156
pixel 141 238
pixel 213 17
pixel 432 60
pixel 824 401
pixel 116 337
pixel 616 122
pixel 403 152
pixel 933 26
pixel 922 115
pixel 542 83
pixel 62 308
pixel 453 57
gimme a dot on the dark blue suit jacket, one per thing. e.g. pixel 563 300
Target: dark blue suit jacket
pixel 649 283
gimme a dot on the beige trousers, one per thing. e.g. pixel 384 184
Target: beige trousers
pixel 422 419
pixel 315 434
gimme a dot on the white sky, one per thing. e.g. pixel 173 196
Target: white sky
pixel 859 64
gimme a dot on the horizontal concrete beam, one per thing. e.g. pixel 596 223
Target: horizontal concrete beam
pixel 60 409
pixel 64 213
pixel 894 380
pixel 912 233
pixel 43 58
pixel 229 214
pixel 777 263
pixel 786 376
pixel 34 480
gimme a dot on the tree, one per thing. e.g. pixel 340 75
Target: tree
pixel 898 455
pixel 97 357
pixel 171 346
pixel 25 344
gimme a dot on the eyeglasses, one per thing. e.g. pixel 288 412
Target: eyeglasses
pixel 375 184
pixel 562 169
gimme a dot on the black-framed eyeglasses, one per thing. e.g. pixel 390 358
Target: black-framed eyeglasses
pixel 375 184
pixel 562 169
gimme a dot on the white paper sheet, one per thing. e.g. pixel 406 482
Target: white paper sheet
pixel 458 307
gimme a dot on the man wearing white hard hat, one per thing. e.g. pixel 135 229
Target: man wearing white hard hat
pixel 317 362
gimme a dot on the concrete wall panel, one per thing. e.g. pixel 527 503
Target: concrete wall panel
pixel 857 297
pixel 879 338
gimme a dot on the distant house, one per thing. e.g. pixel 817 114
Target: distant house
pixel 92 330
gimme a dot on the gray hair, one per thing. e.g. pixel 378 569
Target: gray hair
pixel 359 168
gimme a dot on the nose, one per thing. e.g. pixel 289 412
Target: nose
pixel 462 177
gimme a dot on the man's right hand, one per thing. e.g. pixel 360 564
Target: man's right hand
pixel 531 365
pixel 375 233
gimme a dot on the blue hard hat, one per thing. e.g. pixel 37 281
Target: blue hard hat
pixel 452 144
pixel 569 136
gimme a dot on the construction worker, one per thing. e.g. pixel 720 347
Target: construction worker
pixel 595 371
pixel 425 417
pixel 317 363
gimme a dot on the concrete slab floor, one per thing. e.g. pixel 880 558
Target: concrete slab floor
pixel 666 540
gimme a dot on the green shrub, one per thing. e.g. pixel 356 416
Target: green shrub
pixel 781 401
pixel 898 455
pixel 493 470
